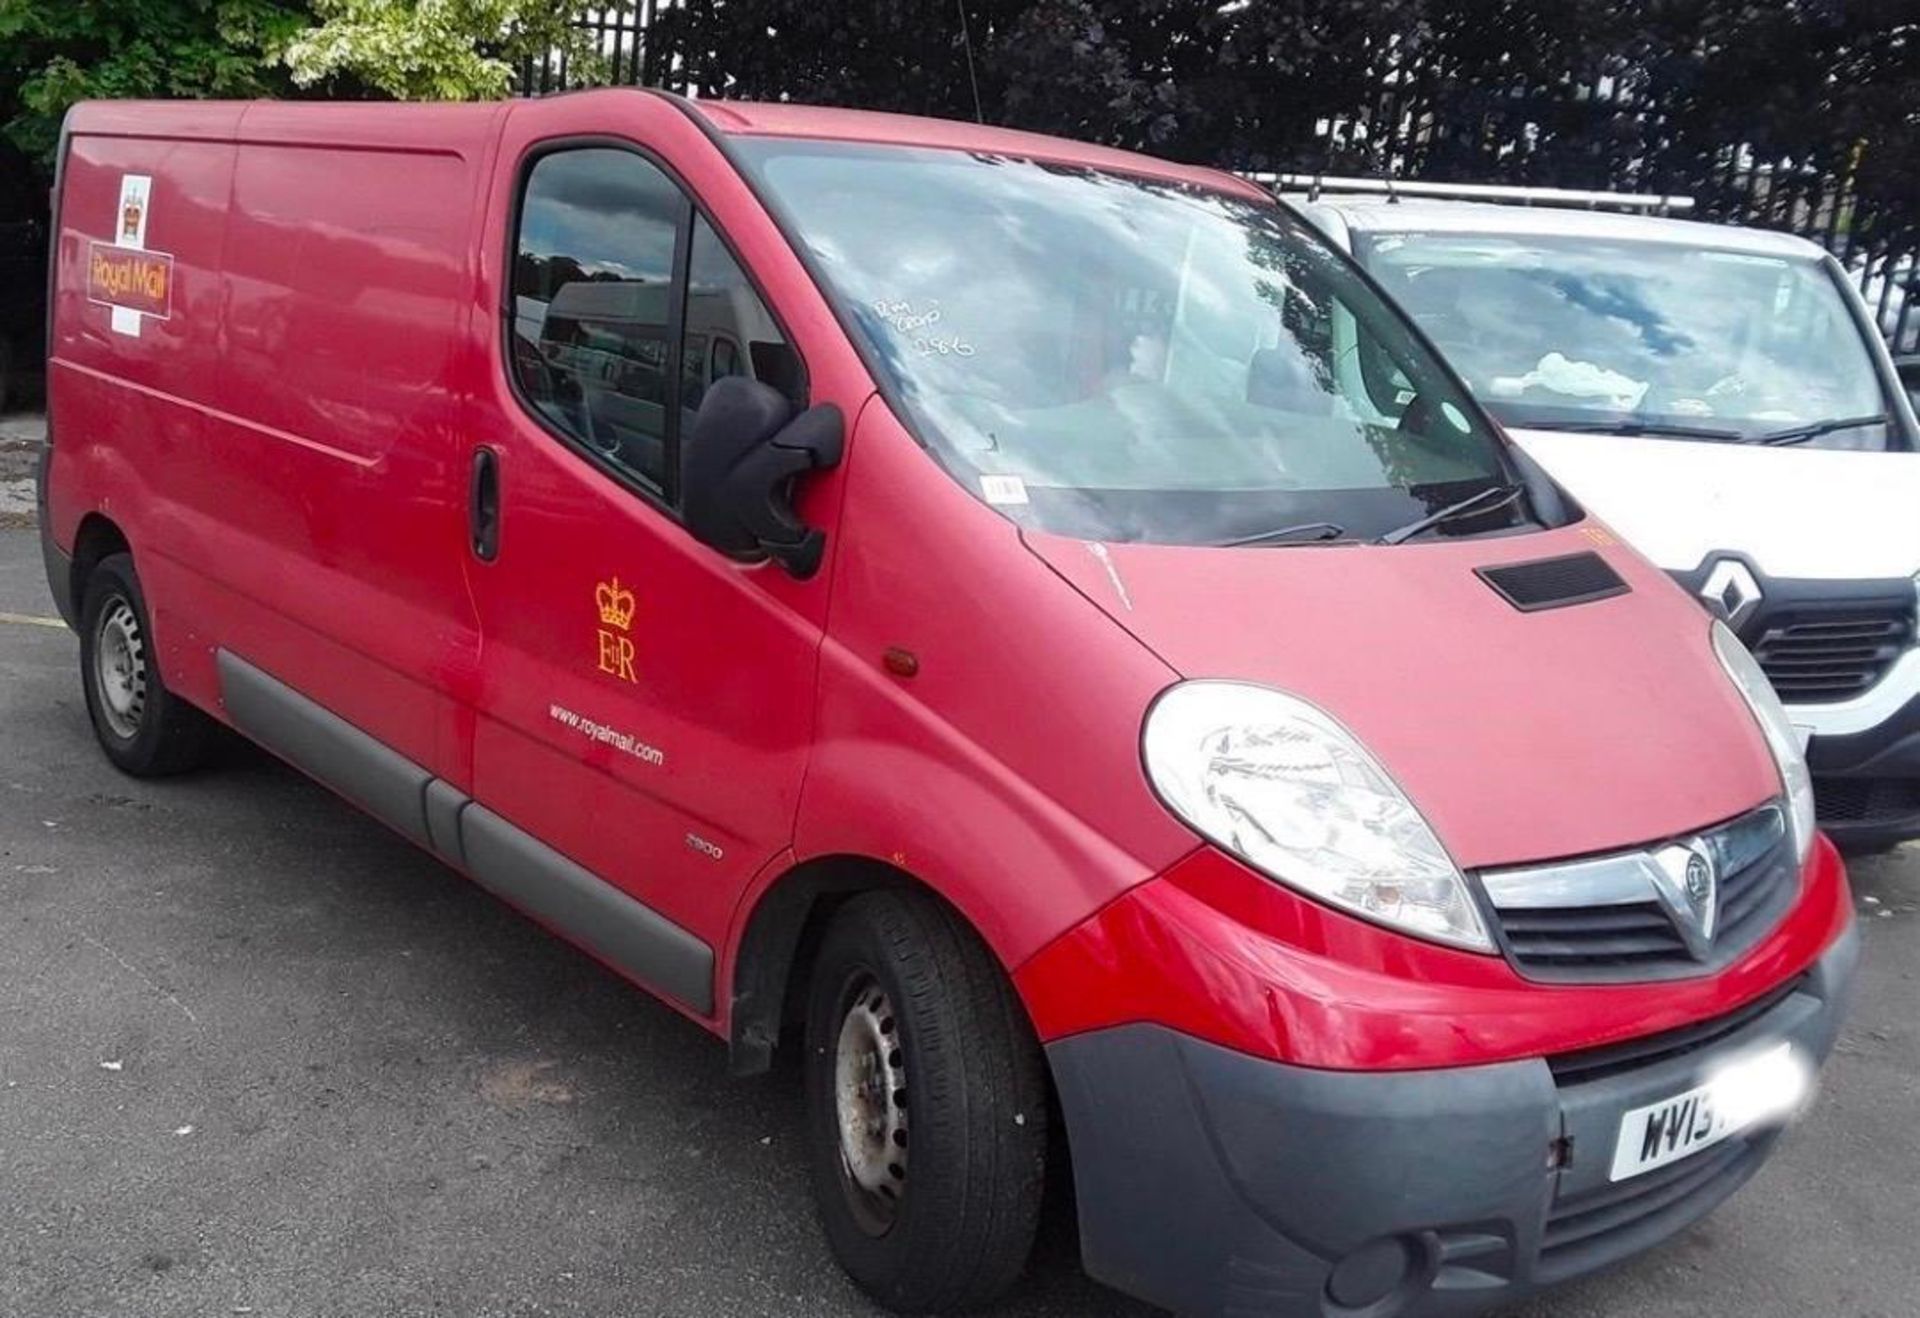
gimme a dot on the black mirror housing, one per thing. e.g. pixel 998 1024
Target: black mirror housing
pixel 738 467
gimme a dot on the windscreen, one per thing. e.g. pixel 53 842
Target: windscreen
pixel 1131 359
pixel 1582 333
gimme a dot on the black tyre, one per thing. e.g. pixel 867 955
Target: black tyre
pixel 144 728
pixel 926 1106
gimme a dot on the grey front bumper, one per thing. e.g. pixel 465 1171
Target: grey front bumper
pixel 1211 1182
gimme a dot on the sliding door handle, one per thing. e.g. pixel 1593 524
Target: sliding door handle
pixel 483 505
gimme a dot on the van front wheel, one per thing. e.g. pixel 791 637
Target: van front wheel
pixel 926 1106
pixel 144 728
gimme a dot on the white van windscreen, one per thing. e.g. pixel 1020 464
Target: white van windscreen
pixel 1640 337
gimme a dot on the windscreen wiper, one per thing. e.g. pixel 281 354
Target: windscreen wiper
pixel 1653 428
pixel 1319 530
pixel 1494 496
pixel 1801 434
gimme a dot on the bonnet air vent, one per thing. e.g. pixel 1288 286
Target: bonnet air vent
pixel 1554 583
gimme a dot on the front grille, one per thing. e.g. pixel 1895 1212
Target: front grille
pixel 1590 1230
pixel 1865 800
pixel 1749 897
pixel 1817 658
pixel 1621 941
pixel 1650 1050
pixel 1584 937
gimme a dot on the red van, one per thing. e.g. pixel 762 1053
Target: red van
pixel 935 598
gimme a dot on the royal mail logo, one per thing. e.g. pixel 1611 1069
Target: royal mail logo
pixel 615 604
pixel 130 278
pixel 613 649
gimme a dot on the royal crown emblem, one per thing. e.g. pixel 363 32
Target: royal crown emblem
pixel 130 221
pixel 615 604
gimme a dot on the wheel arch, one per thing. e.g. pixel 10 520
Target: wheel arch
pixel 774 952
pixel 96 537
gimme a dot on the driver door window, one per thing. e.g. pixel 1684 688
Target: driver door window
pixel 626 306
pixel 595 306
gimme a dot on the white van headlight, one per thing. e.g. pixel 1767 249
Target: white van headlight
pixel 1782 740
pixel 1276 781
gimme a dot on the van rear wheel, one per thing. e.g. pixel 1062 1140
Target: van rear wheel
pixel 926 1106
pixel 144 728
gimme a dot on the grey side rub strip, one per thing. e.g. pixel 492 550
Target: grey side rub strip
pixel 444 802
pixel 384 783
pixel 506 860
pixel 533 876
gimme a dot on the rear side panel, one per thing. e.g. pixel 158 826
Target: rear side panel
pixel 280 448
pixel 124 403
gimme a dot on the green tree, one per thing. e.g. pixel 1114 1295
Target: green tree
pixel 55 53
pixel 446 50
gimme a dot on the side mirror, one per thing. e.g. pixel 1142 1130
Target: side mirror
pixel 738 465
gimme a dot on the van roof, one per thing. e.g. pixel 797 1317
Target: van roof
pixel 443 124
pixel 766 119
pixel 1377 215
pixel 382 121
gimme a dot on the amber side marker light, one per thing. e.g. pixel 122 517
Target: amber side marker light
pixel 899 662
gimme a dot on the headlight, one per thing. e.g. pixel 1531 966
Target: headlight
pixel 1782 740
pixel 1279 783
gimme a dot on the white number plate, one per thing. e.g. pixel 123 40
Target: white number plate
pixel 1667 1131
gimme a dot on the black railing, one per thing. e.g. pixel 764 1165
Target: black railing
pixel 1424 124
pixel 1605 131
pixel 628 40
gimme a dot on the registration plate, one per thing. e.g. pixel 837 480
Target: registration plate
pixel 1674 1128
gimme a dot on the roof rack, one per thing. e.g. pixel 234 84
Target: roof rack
pixel 1394 189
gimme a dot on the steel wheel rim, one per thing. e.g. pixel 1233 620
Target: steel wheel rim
pixel 120 669
pixel 870 1105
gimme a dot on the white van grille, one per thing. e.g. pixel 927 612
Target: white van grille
pixel 1820 658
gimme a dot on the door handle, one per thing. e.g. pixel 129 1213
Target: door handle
pixel 483 505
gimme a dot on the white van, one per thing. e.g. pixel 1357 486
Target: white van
pixel 1719 396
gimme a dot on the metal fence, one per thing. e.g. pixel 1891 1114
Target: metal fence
pixel 627 39
pixel 1425 121
pixel 1890 286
